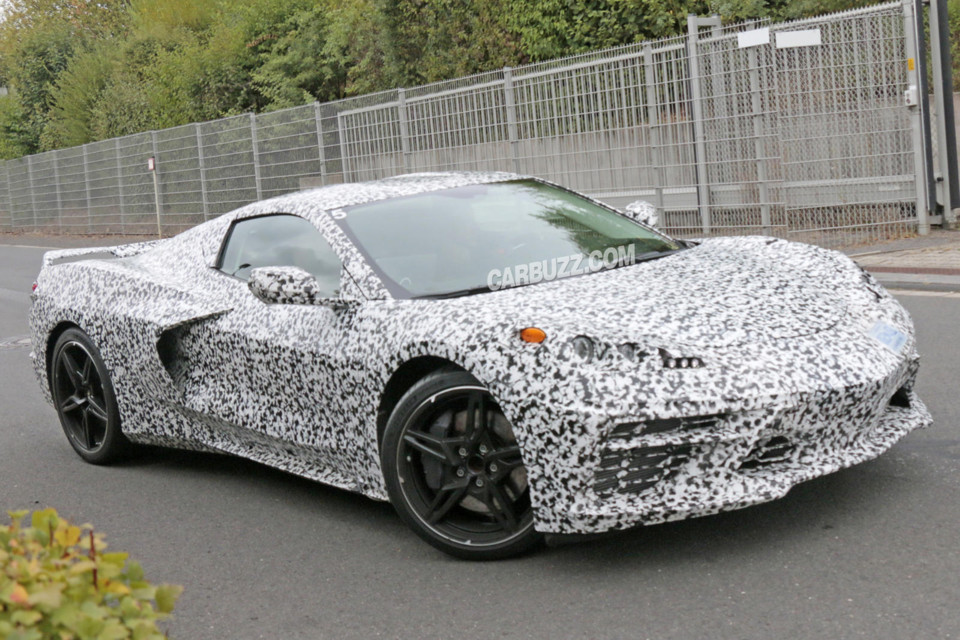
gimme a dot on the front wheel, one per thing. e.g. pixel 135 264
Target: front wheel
pixel 454 472
pixel 84 398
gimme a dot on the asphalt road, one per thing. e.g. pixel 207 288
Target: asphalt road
pixel 871 551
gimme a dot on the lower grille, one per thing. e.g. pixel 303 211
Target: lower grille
pixel 635 470
pixel 627 430
pixel 901 398
pixel 768 451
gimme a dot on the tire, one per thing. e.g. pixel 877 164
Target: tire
pixel 460 484
pixel 84 398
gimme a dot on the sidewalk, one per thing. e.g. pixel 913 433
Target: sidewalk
pixel 925 262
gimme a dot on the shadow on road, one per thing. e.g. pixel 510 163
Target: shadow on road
pixel 819 508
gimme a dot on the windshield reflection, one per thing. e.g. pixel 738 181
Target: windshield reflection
pixel 449 242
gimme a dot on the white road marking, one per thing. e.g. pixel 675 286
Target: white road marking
pixel 15 342
pixel 929 294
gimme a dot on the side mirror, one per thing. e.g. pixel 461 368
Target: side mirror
pixel 290 285
pixel 643 212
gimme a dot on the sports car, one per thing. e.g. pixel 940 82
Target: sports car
pixel 499 357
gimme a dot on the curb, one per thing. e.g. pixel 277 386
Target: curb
pixel 938 271
pixel 901 279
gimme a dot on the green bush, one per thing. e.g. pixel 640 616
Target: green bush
pixel 57 583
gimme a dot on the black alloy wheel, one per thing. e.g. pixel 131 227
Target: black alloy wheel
pixel 84 398
pixel 454 470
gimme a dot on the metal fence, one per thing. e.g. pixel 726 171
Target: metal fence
pixel 797 129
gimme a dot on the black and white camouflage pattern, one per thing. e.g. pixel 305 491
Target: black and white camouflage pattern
pixel 782 329
pixel 285 285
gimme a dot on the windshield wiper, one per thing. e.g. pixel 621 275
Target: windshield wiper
pixel 649 255
pixel 459 293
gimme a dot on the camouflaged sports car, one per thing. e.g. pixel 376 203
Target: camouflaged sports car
pixel 497 356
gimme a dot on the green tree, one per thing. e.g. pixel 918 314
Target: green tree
pixel 15 138
pixel 41 56
pixel 354 42
pixel 82 70
pixel 38 38
pixel 553 28
pixel 79 88
pixel 294 69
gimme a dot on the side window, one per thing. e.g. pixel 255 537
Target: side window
pixel 280 241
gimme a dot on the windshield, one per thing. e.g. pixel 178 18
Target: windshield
pixel 493 236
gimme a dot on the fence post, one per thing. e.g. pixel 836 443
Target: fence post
pixel 156 181
pixel 116 147
pixel 756 110
pixel 404 133
pixel 721 100
pixel 653 126
pixel 6 166
pixel 256 154
pixel 201 164
pixel 33 200
pixel 321 151
pixel 344 158
pixel 86 188
pixel 56 184
pixel 947 184
pixel 693 64
pixel 510 105
pixel 914 82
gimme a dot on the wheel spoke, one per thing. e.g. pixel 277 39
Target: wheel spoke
pixel 476 418
pixel 72 403
pixel 507 459
pixel 87 433
pixel 72 369
pixel 446 499
pixel 85 372
pixel 499 507
pixel 96 409
pixel 440 448
pixel 509 455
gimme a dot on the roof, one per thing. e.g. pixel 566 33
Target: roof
pixel 354 193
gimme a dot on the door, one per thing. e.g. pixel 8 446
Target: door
pixel 268 379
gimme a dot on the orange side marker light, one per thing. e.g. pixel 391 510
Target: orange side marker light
pixel 533 334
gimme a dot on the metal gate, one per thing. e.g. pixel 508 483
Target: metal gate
pixel 806 132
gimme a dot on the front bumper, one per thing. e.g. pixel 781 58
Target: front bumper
pixel 726 474
pixel 717 456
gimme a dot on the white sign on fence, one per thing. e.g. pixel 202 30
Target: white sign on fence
pixel 791 39
pixel 753 38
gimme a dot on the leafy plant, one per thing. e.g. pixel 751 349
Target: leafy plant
pixel 83 70
pixel 59 583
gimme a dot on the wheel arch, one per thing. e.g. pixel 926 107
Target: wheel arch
pixel 51 341
pixel 404 377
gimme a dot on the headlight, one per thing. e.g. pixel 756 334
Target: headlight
pixel 631 352
pixel 679 362
pixel 588 350
pixel 584 348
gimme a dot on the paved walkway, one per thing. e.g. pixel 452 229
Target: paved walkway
pixel 931 261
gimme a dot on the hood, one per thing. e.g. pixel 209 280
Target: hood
pixel 724 292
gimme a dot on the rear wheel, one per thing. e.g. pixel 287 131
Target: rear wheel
pixel 454 471
pixel 84 398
